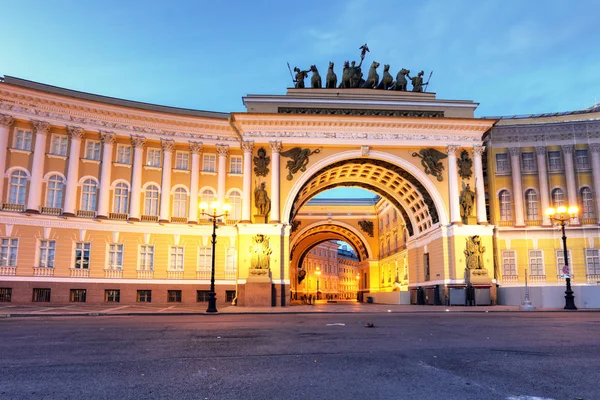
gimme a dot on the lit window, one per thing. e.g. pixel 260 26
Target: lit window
pixel 54 191
pixel 558 198
pixel 92 150
pixel 180 203
pixel 176 263
pixel 209 163
pixel 58 145
pixel 115 256
pixel 235 165
pixel 582 160
pixel 151 200
pixel 47 250
pixel 89 191
pixel 502 165
pixel 8 252
pixel 235 201
pixel 182 160
pixel 82 255
pixel 16 190
pixel 121 198
pixel 123 154
pixel 22 140
pixel 147 258
pixel 554 161
pixel 153 159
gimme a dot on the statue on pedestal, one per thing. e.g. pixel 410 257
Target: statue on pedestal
pixel 467 198
pixel 261 200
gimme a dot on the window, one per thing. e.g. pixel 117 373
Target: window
pixel 202 296
pixel 112 295
pixel 47 250
pixel 532 205
pixel 180 203
pixel 174 296
pixel 505 206
pixel 115 256
pixel 229 295
pixel 16 191
pixel 92 150
pixel 528 162
pixel 592 261
pixel 22 140
pixel 235 201
pixel 153 159
pixel 8 252
pixel 554 161
pixel 151 200
pixel 58 145
pixel 41 295
pixel 144 296
pixel 230 260
pixel 182 160
pixel 509 266
pixel 89 192
pixel 77 296
pixel 536 263
pixel 54 191
pixel 582 160
pixel 82 255
pixel 123 154
pixel 502 165
pixel 176 263
pixel 558 198
pixel 209 163
pixel 5 295
pixel 235 165
pixel 121 200
pixel 207 196
pixel 147 258
pixel 560 261
pixel 587 203
pixel 204 258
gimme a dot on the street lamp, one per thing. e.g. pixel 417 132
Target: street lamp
pixel 212 297
pixel 561 217
pixel 317 273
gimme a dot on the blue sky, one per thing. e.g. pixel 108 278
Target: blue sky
pixel 513 57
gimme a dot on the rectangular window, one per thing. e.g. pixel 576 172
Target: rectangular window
pixel 536 263
pixel 123 154
pixel 204 258
pixel 144 296
pixel 92 150
pixel 22 140
pixel 528 162
pixel 230 260
pixel 229 295
pixel 502 165
pixel 77 295
pixel 182 160
pixel 5 295
pixel 554 161
pixel 509 265
pixel 560 261
pixel 8 252
pixel 174 296
pixel 41 295
pixel 153 159
pixel 147 258
pixel 582 160
pixel 235 165
pixel 47 250
pixel 112 295
pixel 592 261
pixel 176 258
pixel 209 163
pixel 202 296
pixel 115 256
pixel 82 255
pixel 58 145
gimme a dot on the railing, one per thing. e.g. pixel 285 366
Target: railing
pixel 510 279
pixel 203 221
pixel 51 210
pixel 13 207
pixel 505 223
pixel 203 274
pixel 10 271
pixel 593 278
pixel 179 220
pixel 561 277
pixel 174 274
pixel 533 222
pixel 230 275
pixel 113 273
pixel 145 274
pixel 149 218
pixel 231 222
pixel 533 279
pixel 85 214
pixel 79 273
pixel 118 216
pixel 43 271
pixel 589 221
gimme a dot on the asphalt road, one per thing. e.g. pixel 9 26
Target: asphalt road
pixel 326 356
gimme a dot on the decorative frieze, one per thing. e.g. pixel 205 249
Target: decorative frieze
pixel 361 112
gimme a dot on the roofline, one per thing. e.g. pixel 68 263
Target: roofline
pixel 593 109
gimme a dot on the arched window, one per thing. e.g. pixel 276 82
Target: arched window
pixel 505 206
pixel 89 191
pixel 532 205
pixel 16 192
pixel 121 200
pixel 558 198
pixel 235 200
pixel 208 196
pixel 180 203
pixel 151 200
pixel 587 203
pixel 54 191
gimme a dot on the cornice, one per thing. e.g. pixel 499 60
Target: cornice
pixel 547 132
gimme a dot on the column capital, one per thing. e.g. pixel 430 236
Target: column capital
pixel 223 150
pixel 196 147
pixel 514 151
pixel 568 149
pixel 108 137
pixel 595 147
pixel 248 146
pixel 275 146
pixel 167 145
pixel 540 150
pixel 452 149
pixel 6 120
pixel 75 132
pixel 478 150
pixel 138 141
pixel 41 127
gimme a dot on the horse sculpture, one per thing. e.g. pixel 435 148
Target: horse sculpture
pixel 387 80
pixel 345 76
pixel 315 79
pixel 331 78
pixel 373 78
pixel 401 80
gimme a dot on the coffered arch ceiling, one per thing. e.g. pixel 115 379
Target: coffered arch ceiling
pixel 388 180
pixel 313 235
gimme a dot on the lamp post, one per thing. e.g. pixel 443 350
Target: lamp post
pixel 212 297
pixel 561 217
pixel 317 273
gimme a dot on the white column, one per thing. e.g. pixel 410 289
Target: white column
pixel 479 185
pixel 515 163
pixel 571 182
pixel 543 183
pixel 195 149
pixel 595 150
pixel 165 189
pixel 138 143
pixel 247 183
pixel 37 170
pixel 108 140
pixel 223 152
pixel 5 122
pixel 76 134
pixel 453 185
pixel 275 149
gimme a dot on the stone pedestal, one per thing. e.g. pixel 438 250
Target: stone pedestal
pixel 257 291
pixel 478 277
pixel 260 219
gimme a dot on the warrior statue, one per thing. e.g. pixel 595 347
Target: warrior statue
pixel 300 75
